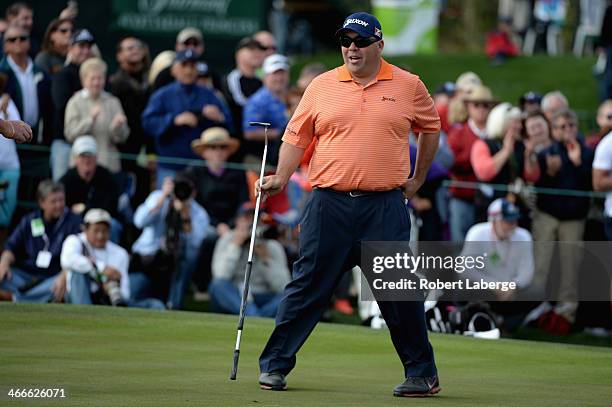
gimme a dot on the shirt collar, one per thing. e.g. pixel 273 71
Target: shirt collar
pixel 482 134
pixel 17 68
pixel 385 72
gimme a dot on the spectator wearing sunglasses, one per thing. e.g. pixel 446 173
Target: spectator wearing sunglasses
pixel 566 165
pixel 604 121
pixel 56 43
pixel 188 38
pixel 267 41
pixel 461 139
pixel 28 86
pixel 220 190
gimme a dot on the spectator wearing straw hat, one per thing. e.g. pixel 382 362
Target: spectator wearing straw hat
pixel 220 190
pixel 461 139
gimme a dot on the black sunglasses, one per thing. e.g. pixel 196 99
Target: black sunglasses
pixel 65 30
pixel 360 42
pixel 22 38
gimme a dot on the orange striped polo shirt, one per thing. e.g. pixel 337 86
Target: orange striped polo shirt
pixel 362 132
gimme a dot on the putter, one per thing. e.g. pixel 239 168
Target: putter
pixel 249 265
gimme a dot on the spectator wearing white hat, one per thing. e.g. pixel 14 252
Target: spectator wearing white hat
pixel 269 105
pixel 97 269
pixel 90 185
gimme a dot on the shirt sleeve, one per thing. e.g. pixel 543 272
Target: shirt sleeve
pixel 300 129
pixel 156 120
pixel 482 161
pixel 144 215
pixel 603 155
pixel 225 258
pixel 72 256
pixel 426 118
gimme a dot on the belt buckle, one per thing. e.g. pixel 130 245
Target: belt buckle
pixel 356 194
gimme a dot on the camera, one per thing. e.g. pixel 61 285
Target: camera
pixel 110 286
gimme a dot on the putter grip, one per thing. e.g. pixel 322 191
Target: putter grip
pixel 235 366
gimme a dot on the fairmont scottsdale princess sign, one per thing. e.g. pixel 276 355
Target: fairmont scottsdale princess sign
pixel 233 18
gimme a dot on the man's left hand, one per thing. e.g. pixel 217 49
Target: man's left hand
pixel 411 187
pixel 212 112
pixel 112 273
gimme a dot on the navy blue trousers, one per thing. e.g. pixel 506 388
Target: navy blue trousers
pixel 332 228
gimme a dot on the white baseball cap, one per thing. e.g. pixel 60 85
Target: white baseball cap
pixel 85 145
pixel 274 63
pixel 96 215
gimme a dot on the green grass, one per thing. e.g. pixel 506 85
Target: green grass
pixel 110 357
pixel 508 82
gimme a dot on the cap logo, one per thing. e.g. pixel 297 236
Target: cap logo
pixel 377 32
pixel 355 21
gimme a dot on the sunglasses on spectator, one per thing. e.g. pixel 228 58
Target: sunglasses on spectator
pixel 192 42
pixel 609 117
pixel 64 30
pixel 566 126
pixel 268 48
pixel 360 42
pixel 218 147
pixel 22 38
pixel 481 105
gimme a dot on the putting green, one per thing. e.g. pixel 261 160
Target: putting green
pixel 106 356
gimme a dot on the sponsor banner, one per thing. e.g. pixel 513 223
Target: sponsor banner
pixel 216 18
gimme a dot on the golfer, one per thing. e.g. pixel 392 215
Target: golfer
pixel 361 114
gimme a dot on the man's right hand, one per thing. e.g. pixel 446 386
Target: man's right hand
pixel 271 185
pixel 186 119
pixel 16 130
pixel 5 272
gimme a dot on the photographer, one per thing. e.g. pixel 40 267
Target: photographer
pixel 166 253
pixel 97 268
pixel 269 275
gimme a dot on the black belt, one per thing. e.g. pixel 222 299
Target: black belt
pixel 357 193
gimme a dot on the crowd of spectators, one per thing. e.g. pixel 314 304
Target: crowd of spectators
pixel 151 172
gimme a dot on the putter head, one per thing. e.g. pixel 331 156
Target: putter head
pixel 265 126
pixel 262 124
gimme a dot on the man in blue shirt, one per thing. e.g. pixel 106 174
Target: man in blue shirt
pixel 178 113
pixel 30 264
pixel 166 253
pixel 269 105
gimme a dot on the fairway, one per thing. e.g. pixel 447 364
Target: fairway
pixel 125 357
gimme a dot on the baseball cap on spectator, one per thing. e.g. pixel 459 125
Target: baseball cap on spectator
pixel 85 145
pixel 364 24
pixel 186 55
pixel 97 215
pixel 447 88
pixel 189 33
pixel 82 35
pixel 531 97
pixel 503 209
pixel 467 81
pixel 275 62
pixel 250 43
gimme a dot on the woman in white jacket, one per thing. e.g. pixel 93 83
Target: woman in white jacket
pixel 92 111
